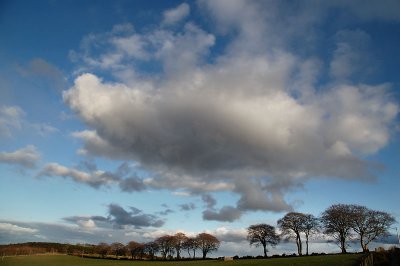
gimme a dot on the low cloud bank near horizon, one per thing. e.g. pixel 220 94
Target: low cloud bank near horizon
pixel 233 241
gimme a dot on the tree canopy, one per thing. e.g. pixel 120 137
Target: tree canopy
pixel 262 234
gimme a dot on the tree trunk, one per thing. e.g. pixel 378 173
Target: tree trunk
pixel 363 245
pixel 194 253
pixel 299 246
pixel 204 254
pixel 343 245
pixel 306 245
pixel 265 251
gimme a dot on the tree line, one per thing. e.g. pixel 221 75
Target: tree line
pixel 167 246
pixel 340 221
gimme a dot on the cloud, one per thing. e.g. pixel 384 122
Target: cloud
pixel 26 157
pixel 94 179
pixel 120 217
pixel 165 212
pixel 175 15
pixel 225 214
pixel 117 218
pixel 187 206
pixel 87 173
pixel 254 195
pixel 209 200
pixel 240 120
pixel 10 118
pixel 132 184
pixel 15 229
pixel 39 67
pixel 351 55
pixel 373 11
pixel 44 129
pixel 231 235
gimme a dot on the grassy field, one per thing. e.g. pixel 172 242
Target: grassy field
pixel 63 260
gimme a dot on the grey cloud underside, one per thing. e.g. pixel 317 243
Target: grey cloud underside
pixel 226 214
pixel 252 120
pixel 118 217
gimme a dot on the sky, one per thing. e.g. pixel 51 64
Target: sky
pixel 128 120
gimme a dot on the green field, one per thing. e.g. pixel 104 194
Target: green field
pixel 64 260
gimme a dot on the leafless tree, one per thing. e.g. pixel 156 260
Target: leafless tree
pixel 191 243
pixel 292 224
pixel 338 222
pixel 370 224
pixel 179 240
pixel 310 225
pixel 262 234
pixel 151 248
pixel 135 249
pixel 118 249
pixel 102 249
pixel 166 245
pixel 207 243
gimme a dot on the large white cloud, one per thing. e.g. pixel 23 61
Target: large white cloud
pixel 251 120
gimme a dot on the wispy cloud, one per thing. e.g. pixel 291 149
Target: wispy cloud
pixel 172 16
pixel 26 157
pixel 10 118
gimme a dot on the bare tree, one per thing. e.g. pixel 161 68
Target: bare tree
pixel 102 249
pixel 151 248
pixel 135 249
pixel 292 224
pixel 370 224
pixel 118 249
pixel 207 243
pixel 338 222
pixel 179 240
pixel 311 225
pixel 191 243
pixel 262 234
pixel 166 245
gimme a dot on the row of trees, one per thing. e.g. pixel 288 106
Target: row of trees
pixel 167 246
pixel 340 221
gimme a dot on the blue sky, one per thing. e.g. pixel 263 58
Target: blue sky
pixel 124 120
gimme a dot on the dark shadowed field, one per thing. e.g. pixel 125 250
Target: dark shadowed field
pixel 65 260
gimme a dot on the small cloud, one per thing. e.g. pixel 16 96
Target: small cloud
pixel 25 157
pixel 187 206
pixel 39 67
pixel 165 212
pixel 181 193
pixel 10 118
pixel 225 214
pixel 132 184
pixel 89 224
pixel 44 129
pixel 175 15
pixel 209 200
pixel 94 179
